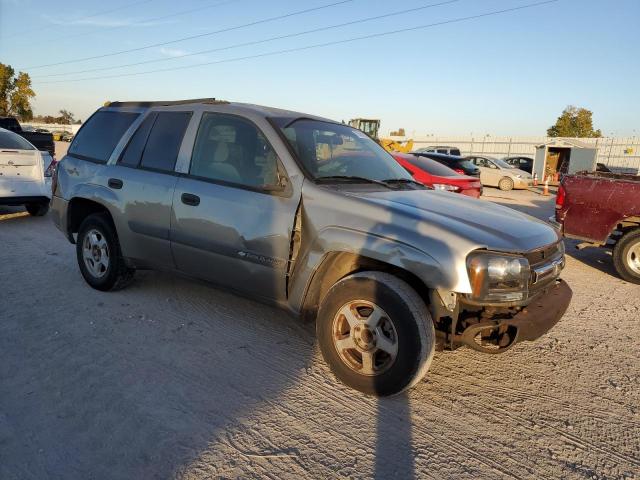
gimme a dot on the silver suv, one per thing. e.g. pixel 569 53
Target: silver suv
pixel 313 216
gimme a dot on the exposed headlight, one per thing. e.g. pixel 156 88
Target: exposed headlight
pixel 497 278
pixel 448 188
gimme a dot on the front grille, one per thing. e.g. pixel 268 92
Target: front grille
pixel 546 264
pixel 543 255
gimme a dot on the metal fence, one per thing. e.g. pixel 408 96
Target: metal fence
pixel 619 152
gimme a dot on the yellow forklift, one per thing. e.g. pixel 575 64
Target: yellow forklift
pixel 372 126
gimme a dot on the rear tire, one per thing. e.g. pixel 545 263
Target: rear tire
pixel 376 333
pixel 99 255
pixel 37 209
pixel 505 184
pixel 626 256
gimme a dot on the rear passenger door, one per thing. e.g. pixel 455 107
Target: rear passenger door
pixel 234 210
pixel 144 178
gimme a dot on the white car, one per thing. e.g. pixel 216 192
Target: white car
pixel 498 173
pixel 25 174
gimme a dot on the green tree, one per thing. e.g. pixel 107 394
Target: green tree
pixel 66 117
pixel 15 93
pixel 574 122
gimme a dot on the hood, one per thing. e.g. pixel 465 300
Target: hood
pixel 517 171
pixel 481 223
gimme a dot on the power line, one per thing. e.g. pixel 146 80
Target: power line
pixel 142 21
pixel 318 45
pixel 254 42
pixel 200 35
pixel 79 19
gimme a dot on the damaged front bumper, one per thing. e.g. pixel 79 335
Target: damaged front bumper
pixel 497 335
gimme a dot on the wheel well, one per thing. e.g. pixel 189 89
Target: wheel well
pixel 337 265
pixel 81 208
pixel 623 227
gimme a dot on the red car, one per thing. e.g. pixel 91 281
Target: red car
pixel 435 175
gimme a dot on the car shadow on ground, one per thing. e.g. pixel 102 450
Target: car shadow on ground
pixel 140 383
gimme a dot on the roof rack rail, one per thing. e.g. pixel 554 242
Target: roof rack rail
pixel 164 103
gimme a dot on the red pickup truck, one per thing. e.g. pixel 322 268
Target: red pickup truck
pixel 603 209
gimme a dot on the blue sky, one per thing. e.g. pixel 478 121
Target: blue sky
pixel 508 74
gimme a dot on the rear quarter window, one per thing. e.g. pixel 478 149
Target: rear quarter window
pixel 99 136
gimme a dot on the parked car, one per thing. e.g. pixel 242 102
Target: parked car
pixel 603 210
pixel 443 149
pixel 42 141
pixel 315 217
pixel 458 164
pixel 522 163
pixel 62 136
pixel 437 176
pixel 498 173
pixel 22 174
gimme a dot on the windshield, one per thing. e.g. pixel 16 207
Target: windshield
pixel 501 163
pixel 13 141
pixel 334 150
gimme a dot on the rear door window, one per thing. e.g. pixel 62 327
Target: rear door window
pixel 99 136
pixel 163 144
pixel 133 153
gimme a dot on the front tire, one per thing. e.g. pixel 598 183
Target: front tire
pixel 37 209
pixel 626 256
pixel 505 184
pixel 99 255
pixel 376 333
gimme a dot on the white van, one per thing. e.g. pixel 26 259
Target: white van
pixel 22 174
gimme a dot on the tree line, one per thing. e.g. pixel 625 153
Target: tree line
pixel 16 95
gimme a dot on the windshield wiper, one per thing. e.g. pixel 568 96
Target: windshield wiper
pixel 354 179
pixel 402 180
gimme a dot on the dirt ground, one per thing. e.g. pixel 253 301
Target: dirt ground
pixel 173 379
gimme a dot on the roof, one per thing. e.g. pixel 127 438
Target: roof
pixel 260 109
pixel 566 143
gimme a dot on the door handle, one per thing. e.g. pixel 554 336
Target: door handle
pixel 190 199
pixel 115 183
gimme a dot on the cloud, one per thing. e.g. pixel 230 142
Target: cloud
pixel 173 52
pixel 104 22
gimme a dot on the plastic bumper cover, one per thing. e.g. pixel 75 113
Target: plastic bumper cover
pixel 529 324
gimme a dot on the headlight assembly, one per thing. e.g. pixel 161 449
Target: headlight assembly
pixel 497 278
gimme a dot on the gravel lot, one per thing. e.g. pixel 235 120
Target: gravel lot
pixel 173 379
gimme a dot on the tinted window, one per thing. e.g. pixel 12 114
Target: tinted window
pixel 14 141
pixel 442 150
pixel 10 124
pixel 100 135
pixel 432 167
pixel 133 151
pixel 164 140
pixel 231 149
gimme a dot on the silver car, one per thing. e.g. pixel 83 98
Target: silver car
pixel 495 172
pixel 315 217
